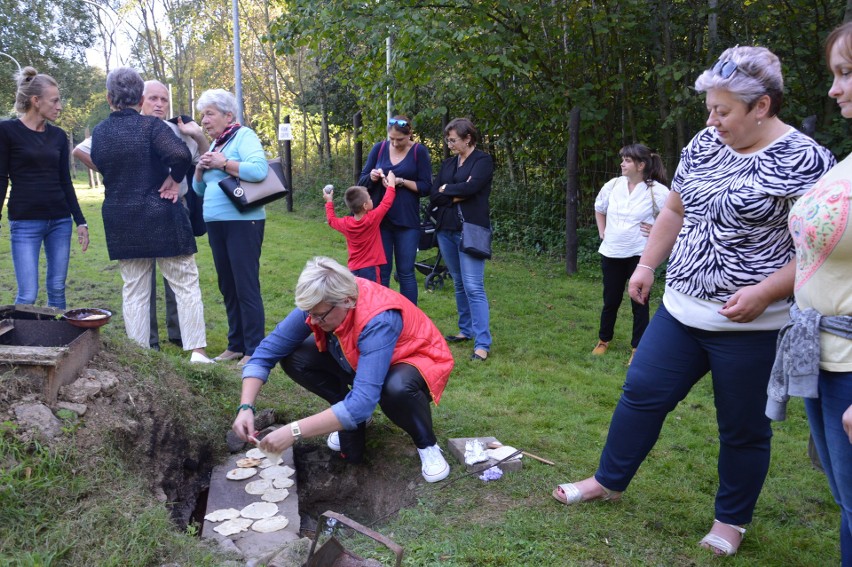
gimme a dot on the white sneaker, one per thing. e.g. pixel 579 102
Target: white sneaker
pixel 433 464
pixel 198 358
pixel 333 440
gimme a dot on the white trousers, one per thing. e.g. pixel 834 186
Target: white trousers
pixel 182 274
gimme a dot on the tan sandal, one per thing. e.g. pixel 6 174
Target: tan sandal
pixel 571 495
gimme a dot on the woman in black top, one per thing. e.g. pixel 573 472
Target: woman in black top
pixel 461 191
pixel 34 157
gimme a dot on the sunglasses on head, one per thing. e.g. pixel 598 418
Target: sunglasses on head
pixel 398 122
pixel 727 68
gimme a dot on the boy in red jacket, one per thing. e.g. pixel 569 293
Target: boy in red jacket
pixel 361 230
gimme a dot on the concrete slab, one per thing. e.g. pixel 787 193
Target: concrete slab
pixel 226 493
pixel 456 447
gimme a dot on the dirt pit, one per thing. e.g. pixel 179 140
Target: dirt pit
pixel 152 424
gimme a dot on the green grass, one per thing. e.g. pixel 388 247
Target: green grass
pixel 540 390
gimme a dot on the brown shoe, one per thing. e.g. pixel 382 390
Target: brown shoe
pixel 600 348
pixel 632 354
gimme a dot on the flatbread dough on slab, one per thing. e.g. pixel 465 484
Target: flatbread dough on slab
pixel 282 482
pixel 275 495
pixel 248 462
pixel 222 514
pixel 241 474
pixel 254 453
pixel 234 526
pixel 258 487
pixel 277 472
pixel 259 510
pixel 272 524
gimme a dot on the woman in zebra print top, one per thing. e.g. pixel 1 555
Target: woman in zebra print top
pixel 728 288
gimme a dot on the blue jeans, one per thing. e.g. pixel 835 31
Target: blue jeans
pixel 469 280
pixel 670 359
pixel 400 246
pixel 833 447
pixel 371 273
pixel 26 239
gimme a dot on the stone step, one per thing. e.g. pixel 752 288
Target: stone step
pixel 225 493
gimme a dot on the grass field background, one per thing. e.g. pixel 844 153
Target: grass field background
pixel 540 390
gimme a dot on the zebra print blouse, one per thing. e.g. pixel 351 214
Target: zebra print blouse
pixel 735 211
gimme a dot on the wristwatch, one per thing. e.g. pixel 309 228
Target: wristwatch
pixel 296 431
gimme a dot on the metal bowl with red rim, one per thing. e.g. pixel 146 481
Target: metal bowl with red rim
pixel 87 318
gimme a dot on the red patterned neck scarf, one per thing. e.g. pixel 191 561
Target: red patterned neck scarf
pixel 225 136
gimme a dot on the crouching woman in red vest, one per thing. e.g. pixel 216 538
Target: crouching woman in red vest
pixel 355 344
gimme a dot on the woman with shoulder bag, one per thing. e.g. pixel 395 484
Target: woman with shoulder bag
pixel 460 196
pixel 235 236
pixel 400 228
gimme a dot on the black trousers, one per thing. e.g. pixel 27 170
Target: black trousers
pixel 616 274
pixel 236 253
pixel 404 399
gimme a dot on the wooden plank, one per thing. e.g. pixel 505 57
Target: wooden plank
pixel 31 355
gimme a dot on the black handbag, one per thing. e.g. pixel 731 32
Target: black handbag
pixel 246 195
pixel 475 239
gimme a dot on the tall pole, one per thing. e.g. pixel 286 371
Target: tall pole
pixel 238 73
pixel 390 101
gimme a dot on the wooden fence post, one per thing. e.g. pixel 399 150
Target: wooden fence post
pixel 358 160
pixel 288 169
pixel 572 192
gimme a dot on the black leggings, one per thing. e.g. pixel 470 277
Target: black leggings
pixel 404 399
pixel 616 274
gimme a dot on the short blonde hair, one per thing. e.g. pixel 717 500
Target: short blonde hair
pixel 324 280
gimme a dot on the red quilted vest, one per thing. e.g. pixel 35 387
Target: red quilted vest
pixel 420 343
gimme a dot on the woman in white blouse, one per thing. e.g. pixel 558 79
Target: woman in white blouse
pixel 625 209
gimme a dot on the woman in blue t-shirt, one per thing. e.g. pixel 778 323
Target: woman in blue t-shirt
pixel 401 227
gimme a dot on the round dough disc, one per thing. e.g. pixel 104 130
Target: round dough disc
pixel 241 474
pixel 272 524
pixel 247 462
pixel 259 510
pixel 258 487
pixel 275 495
pixel 222 514
pixel 282 482
pixel 234 526
pixel 277 472
pixel 254 453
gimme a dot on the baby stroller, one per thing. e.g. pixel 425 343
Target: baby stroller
pixel 432 268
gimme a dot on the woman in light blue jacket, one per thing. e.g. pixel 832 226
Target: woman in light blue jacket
pixel 235 237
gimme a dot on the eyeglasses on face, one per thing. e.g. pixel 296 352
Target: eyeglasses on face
pixel 398 122
pixel 727 68
pixel 320 318
pixel 451 141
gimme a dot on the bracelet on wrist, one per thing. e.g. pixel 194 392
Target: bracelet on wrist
pixel 647 267
pixel 295 431
pixel 241 407
pixel 225 166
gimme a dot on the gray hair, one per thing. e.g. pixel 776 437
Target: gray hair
pixel 124 88
pixel 152 83
pixel 224 101
pixel 324 280
pixel 758 73
pixel 30 83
